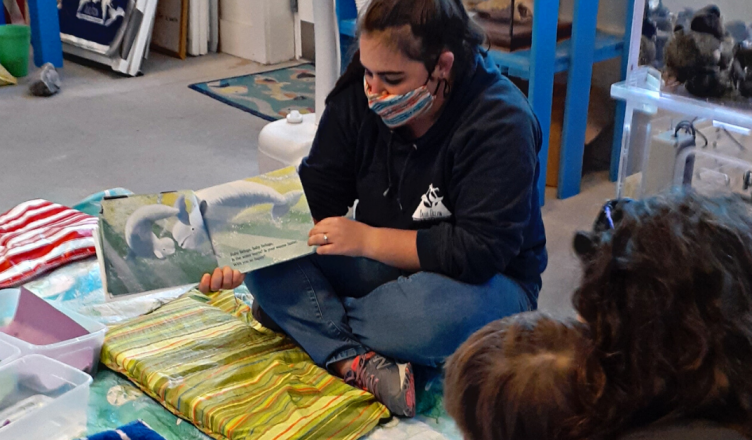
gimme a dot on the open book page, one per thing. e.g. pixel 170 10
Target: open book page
pixel 153 242
pixel 257 222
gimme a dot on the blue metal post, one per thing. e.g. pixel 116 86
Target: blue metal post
pixel 45 32
pixel 543 54
pixel 621 105
pixel 346 10
pixel 578 97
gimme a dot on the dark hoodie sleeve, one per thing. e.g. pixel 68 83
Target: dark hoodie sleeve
pixel 328 173
pixel 492 185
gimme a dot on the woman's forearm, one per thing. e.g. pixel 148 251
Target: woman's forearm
pixel 395 247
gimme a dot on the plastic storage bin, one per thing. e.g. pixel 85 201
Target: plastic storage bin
pixel 672 139
pixel 36 327
pixel 42 399
pixel 649 158
pixel 8 353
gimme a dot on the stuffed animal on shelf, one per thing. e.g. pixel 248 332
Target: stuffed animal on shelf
pixel 648 50
pixel 742 68
pixel 661 19
pixel 700 57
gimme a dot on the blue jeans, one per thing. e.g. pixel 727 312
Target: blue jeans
pixel 339 307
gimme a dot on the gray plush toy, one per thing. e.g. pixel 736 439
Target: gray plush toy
pixel 701 56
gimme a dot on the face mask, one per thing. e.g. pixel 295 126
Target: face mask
pixel 398 110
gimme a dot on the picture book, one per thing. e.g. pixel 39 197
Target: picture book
pixel 152 242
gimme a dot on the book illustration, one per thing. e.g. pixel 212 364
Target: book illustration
pixel 259 221
pixel 139 234
pixel 166 240
pixel 226 202
pixel 145 244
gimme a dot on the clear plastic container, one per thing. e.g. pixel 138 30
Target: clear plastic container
pixel 36 327
pixel 644 91
pixel 42 399
pixel 8 353
pixel 664 149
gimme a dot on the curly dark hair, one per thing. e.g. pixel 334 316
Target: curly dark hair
pixel 667 298
pixel 514 379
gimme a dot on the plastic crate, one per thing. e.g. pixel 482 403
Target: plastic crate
pixel 8 353
pixel 671 139
pixel 36 327
pixel 41 399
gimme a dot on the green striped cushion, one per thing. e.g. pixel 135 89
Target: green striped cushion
pixel 234 381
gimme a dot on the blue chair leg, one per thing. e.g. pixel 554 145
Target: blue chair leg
pixel 543 54
pixel 578 97
pixel 45 32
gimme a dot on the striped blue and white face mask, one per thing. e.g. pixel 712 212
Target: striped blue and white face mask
pixel 398 110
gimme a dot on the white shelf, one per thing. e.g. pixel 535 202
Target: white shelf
pixel 638 92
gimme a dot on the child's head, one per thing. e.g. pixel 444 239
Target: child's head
pixel 513 379
pixel 667 298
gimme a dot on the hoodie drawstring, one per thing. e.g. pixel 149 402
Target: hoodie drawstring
pixel 388 191
pixel 389 164
pixel 402 177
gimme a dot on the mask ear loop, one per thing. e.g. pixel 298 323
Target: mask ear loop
pixel 447 87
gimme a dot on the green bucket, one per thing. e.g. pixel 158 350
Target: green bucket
pixel 15 40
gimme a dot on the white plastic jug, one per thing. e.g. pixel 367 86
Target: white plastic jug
pixel 286 142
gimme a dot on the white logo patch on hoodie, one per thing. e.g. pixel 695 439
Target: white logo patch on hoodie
pixel 431 206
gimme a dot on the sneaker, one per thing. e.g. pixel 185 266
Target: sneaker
pixel 392 383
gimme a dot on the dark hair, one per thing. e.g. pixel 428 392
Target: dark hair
pixel 421 30
pixel 514 379
pixel 667 297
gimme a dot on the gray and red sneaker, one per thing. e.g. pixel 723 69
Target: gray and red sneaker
pixel 392 383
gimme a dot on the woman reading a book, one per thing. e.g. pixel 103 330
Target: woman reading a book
pixel 440 150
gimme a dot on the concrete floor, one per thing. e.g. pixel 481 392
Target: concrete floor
pixel 153 133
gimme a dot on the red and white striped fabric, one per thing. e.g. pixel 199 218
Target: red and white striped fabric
pixel 37 236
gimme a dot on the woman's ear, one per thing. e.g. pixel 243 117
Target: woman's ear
pixel 444 66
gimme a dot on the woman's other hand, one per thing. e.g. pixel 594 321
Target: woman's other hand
pixel 340 236
pixel 222 279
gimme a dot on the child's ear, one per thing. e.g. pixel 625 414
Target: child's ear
pixel 585 244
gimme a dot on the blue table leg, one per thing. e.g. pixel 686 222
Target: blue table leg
pixel 45 32
pixel 621 105
pixel 578 97
pixel 542 57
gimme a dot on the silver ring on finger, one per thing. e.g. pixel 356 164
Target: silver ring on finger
pixel 326 239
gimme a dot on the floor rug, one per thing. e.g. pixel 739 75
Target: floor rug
pixel 268 95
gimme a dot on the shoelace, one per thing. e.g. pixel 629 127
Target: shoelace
pixel 369 382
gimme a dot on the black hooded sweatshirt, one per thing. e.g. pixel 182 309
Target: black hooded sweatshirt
pixel 468 186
